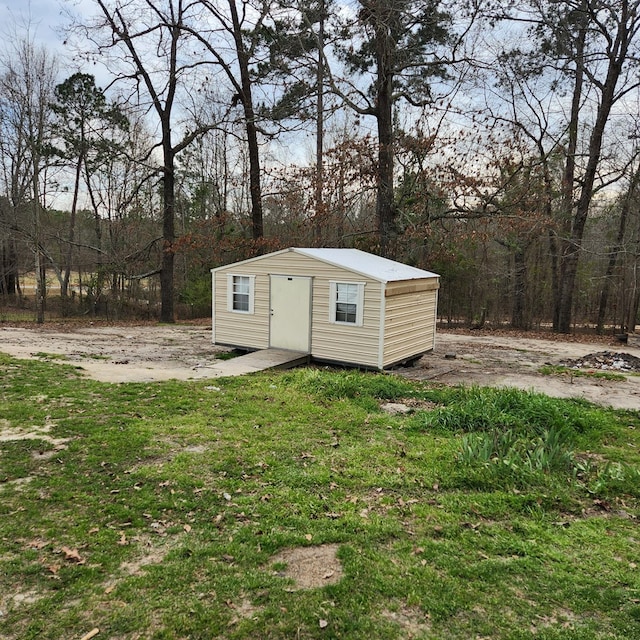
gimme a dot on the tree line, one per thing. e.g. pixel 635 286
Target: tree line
pixel 495 143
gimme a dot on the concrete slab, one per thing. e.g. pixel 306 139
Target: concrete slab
pixel 253 362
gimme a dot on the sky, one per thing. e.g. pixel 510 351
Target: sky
pixel 42 22
pixel 42 17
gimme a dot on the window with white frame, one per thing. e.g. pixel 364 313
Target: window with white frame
pixel 347 302
pixel 240 293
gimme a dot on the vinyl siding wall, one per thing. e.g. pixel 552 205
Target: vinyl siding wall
pixel 248 331
pixel 410 317
pixel 342 342
pixel 331 342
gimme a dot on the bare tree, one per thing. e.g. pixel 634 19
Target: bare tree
pixel 148 43
pixel 237 26
pixel 593 46
pixel 26 88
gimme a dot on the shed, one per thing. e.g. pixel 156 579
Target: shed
pixel 336 305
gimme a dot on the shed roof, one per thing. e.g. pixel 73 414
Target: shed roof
pixel 368 264
pixel 359 262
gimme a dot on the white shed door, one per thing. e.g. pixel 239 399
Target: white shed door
pixel 290 313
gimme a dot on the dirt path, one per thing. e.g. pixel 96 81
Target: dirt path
pixel 510 361
pixel 119 354
pixel 153 352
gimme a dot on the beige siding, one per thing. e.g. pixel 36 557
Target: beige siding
pixel 409 325
pixel 414 286
pixel 339 343
pixel 250 331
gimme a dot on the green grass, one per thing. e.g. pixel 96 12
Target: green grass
pixel 154 510
pixel 559 370
pixel 228 355
pixel 49 356
pixel 16 315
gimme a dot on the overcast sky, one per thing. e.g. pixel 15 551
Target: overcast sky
pixel 43 22
pixel 41 16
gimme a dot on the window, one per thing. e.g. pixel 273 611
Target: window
pixel 240 293
pixel 241 290
pixel 347 300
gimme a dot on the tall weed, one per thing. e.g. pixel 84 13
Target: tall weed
pixel 525 413
pixel 507 455
pixel 615 478
pixel 337 385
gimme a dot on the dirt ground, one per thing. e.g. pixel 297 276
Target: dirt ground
pixel 503 359
pixel 497 358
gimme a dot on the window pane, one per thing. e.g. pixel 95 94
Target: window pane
pixel 241 284
pixel 347 293
pixel 346 302
pixel 241 292
pixel 240 302
pixel 345 312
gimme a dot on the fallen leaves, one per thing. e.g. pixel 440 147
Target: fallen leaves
pixel 53 570
pixel 37 544
pixel 72 556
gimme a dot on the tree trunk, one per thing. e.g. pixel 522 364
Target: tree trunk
pixel 255 191
pixel 558 244
pixel 556 278
pixel 634 302
pixel 8 268
pixel 519 318
pixel 4 263
pixel 39 262
pixel 614 253
pixel 320 211
pixel 64 288
pixel 633 312
pixel 41 284
pixel 385 212
pixel 167 313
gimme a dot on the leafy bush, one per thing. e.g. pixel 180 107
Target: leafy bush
pixel 197 291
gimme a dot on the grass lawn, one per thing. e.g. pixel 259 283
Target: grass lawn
pixel 185 510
